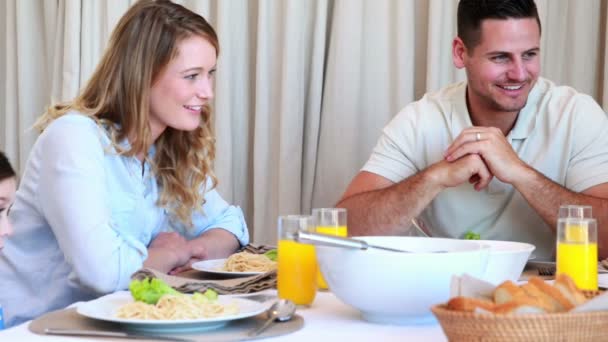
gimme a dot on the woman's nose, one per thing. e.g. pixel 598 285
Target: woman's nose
pixel 205 90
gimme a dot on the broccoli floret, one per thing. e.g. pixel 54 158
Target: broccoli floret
pixel 471 235
pixel 150 290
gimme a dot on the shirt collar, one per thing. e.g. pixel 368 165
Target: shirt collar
pixel 460 118
pixel 126 145
pixel 526 119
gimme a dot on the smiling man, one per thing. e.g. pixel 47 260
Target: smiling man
pixel 497 154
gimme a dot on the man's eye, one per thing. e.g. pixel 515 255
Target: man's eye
pixel 500 59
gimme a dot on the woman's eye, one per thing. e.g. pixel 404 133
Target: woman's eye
pixel 191 77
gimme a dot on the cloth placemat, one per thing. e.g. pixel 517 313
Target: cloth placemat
pixel 234 331
pixel 193 281
pixel 255 249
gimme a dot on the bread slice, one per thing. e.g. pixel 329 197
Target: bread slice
pixel 522 305
pixel 568 288
pixel 470 304
pixel 544 300
pixel 507 291
pixel 552 291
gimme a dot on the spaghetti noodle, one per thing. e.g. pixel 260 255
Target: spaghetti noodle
pixel 249 262
pixel 177 307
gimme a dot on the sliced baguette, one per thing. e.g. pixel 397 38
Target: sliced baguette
pixel 568 288
pixel 522 305
pixel 553 292
pixel 470 304
pixel 544 300
pixel 507 291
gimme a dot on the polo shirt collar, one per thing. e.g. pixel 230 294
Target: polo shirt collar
pixel 526 120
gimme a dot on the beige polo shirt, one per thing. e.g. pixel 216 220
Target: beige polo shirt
pixel 560 132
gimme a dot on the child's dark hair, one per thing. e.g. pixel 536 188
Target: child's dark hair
pixel 6 170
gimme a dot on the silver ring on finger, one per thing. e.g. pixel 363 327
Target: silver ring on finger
pixel 477 136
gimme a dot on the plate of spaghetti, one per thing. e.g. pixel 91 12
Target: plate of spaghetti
pixel 172 313
pixel 238 264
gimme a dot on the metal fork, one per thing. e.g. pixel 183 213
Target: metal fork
pixel 550 270
pixel 546 271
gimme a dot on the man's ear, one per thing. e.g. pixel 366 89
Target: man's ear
pixel 459 51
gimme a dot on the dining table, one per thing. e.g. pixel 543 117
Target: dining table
pixel 327 318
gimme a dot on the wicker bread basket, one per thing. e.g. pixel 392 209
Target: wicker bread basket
pixel 469 326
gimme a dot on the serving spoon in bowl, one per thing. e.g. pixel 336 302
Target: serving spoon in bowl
pixel 344 242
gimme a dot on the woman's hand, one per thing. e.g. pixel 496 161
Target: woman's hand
pixel 171 240
pixel 172 253
pixel 212 244
pixel 186 267
pixel 168 251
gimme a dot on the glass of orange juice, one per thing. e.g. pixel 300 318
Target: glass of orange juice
pixel 297 264
pixel 577 253
pixel 331 221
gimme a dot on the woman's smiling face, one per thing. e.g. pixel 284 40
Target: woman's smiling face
pixel 184 86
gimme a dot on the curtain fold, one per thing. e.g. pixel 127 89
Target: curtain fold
pixel 303 88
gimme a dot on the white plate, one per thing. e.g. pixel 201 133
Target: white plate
pixel 215 266
pixel 106 307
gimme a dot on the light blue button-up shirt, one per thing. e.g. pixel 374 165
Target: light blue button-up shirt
pixel 83 218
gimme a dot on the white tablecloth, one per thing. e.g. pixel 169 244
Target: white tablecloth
pixel 328 318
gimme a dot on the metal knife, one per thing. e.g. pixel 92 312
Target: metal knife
pixel 116 334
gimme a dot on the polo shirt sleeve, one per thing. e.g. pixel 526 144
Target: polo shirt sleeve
pixel 390 157
pixel 588 165
pixel 74 200
pixel 216 214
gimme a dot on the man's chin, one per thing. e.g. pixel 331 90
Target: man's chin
pixel 512 106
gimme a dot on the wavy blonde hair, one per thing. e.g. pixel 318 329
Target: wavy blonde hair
pixel 118 94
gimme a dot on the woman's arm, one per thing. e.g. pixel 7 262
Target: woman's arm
pixel 167 251
pixel 218 231
pixel 212 244
pixel 75 201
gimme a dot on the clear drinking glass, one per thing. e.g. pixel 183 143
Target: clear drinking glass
pixel 297 263
pixel 330 221
pixel 575 211
pixel 577 253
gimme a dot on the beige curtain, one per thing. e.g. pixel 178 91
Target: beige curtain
pixel 303 87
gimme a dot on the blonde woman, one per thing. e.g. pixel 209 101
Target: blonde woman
pixel 121 177
pixel 8 185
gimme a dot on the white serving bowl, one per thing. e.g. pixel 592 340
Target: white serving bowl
pixel 507 260
pixel 399 288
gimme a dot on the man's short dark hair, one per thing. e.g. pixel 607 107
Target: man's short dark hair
pixel 471 13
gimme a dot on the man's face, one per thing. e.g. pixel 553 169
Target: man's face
pixel 503 67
